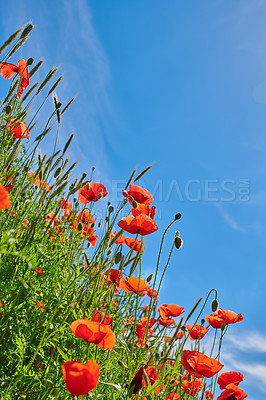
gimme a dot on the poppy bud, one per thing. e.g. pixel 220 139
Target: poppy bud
pixel 109 252
pixel 30 61
pixel 178 242
pixel 202 321
pixel 178 216
pixel 93 225
pixel 111 209
pixel 8 109
pixel 134 204
pixel 57 172
pixel 149 278
pixel 80 227
pixel 118 257
pixel 214 305
pixel 222 326
pixel 106 218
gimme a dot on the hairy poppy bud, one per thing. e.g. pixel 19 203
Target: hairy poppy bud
pixel 8 109
pixel 222 326
pixel 178 242
pixel 178 216
pixel 118 257
pixel 214 305
pixel 30 61
pixel 134 204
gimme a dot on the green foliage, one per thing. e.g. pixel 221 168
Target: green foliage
pixel 51 275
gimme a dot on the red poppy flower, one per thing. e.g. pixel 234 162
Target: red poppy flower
pixel 179 335
pixel 88 231
pixel 199 364
pixel 144 209
pixel 223 317
pixel 134 244
pixel 4 198
pixel 144 321
pixel 80 379
pixel 85 217
pixel 40 183
pixel 166 322
pixel 198 331
pixel 170 310
pixel 49 218
pixel 172 396
pixel 92 239
pixel 152 293
pixel 112 275
pixel 143 334
pixel 93 332
pixel 38 305
pixel 192 386
pixel 141 224
pixel 208 395
pixel 101 317
pixel 229 377
pixel 39 271
pixel 92 191
pixel 145 309
pixel 9 187
pixel 232 392
pixel 120 240
pixel 133 284
pixel 138 381
pixel 66 205
pixel 17 129
pixel 139 194
pixel 7 70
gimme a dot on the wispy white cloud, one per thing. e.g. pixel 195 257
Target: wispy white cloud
pixel 236 353
pixel 229 219
pixel 65 35
pixel 254 373
pixel 253 342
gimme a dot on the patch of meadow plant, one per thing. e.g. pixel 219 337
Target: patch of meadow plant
pixel 79 317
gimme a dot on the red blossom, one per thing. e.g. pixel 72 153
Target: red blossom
pixel 141 224
pixel 80 379
pixel 4 198
pixel 17 129
pixel 139 194
pixel 223 318
pixel 92 191
pixel 199 364
pixel 7 70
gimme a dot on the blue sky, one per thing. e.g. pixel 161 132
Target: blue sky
pixel 181 85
